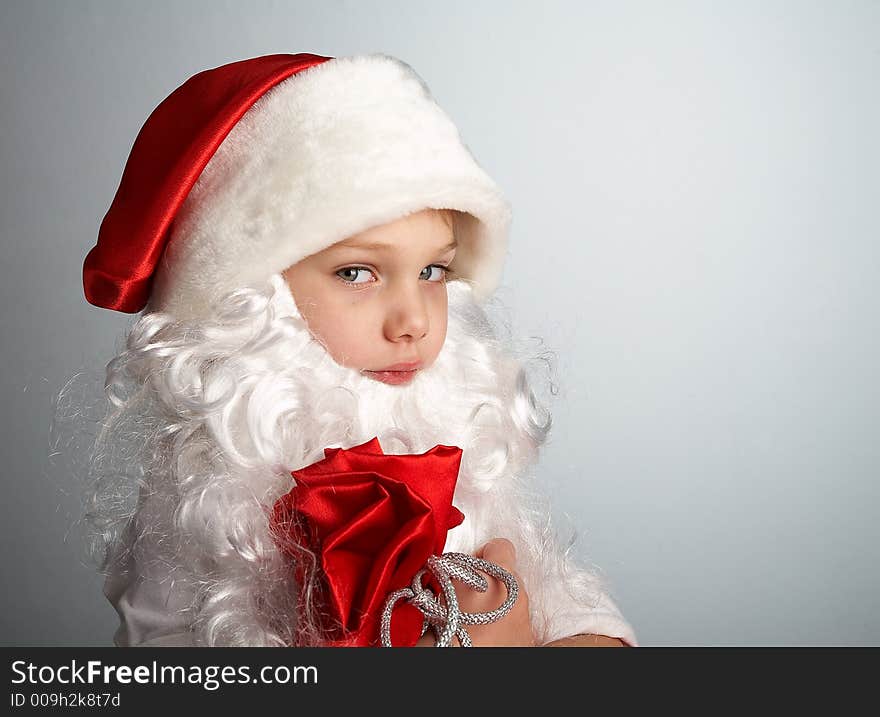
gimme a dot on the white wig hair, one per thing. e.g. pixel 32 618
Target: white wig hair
pixel 207 418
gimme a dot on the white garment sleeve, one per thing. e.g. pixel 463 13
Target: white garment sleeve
pixel 564 599
pixel 563 611
pixel 151 595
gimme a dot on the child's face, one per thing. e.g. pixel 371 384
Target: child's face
pixel 378 298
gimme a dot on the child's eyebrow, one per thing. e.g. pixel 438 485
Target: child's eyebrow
pixel 382 246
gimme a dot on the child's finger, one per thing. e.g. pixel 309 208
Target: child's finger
pixel 499 551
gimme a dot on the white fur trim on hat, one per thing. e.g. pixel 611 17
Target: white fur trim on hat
pixel 334 150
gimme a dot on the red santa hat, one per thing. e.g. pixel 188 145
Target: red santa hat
pixel 249 167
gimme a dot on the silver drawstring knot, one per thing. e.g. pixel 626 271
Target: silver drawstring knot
pixel 447 620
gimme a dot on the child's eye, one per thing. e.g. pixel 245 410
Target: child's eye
pixel 435 272
pixel 350 274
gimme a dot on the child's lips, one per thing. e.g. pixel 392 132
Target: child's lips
pixel 397 374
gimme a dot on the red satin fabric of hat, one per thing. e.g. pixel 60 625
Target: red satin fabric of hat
pixel 374 520
pixel 170 152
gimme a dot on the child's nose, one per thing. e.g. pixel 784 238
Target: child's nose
pixel 407 317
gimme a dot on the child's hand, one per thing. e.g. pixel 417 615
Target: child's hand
pixel 515 628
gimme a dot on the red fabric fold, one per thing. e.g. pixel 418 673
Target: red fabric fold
pixel 373 520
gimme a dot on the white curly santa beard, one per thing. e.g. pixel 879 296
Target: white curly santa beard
pixel 243 400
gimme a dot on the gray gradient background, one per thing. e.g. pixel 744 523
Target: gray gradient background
pixel 695 187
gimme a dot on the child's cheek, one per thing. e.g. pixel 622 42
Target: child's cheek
pixel 349 330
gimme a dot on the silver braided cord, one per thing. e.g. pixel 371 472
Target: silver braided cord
pixel 447 620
